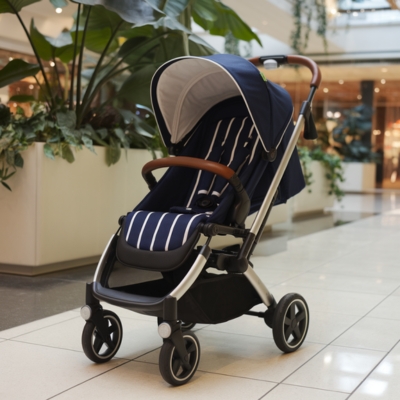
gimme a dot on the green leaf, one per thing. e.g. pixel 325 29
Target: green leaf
pixel 113 152
pixel 88 142
pixel 43 47
pixel 96 40
pixel 6 186
pixel 16 70
pixel 137 87
pixel 66 119
pixel 22 98
pixel 66 153
pixel 48 151
pixel 59 3
pixel 18 161
pixel 204 10
pixel 133 11
pixel 173 8
pixel 17 4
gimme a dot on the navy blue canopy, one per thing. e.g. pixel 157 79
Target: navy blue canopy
pixel 185 88
pixel 195 95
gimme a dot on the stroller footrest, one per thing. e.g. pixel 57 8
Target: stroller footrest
pixel 131 301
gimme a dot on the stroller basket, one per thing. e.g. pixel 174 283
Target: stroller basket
pixel 233 140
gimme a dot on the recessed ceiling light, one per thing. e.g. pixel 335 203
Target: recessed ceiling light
pixel 359 97
pixel 341 81
pixel 377 90
pixel 58 10
pixel 383 81
pixel 52 63
pixel 384 70
pixel 10 59
pixel 326 90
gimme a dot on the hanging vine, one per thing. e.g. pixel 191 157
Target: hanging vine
pixel 304 12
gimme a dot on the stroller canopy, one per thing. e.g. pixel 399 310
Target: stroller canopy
pixel 185 88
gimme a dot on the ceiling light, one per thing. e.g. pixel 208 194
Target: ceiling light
pixel 329 114
pixel 355 14
pixel 376 132
pixel 337 114
pixel 326 90
pixel 10 59
pixel 31 86
pixel 359 97
pixel 52 63
pixel 341 81
pixel 58 10
pixel 377 90
pixel 384 70
pixel 383 81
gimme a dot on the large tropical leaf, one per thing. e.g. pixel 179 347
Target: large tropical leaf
pixel 133 11
pixel 97 40
pixel 17 4
pixel 137 87
pixel 173 8
pixel 220 19
pixel 16 70
pixel 43 47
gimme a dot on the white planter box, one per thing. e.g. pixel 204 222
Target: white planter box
pixel 359 177
pixel 61 215
pixel 314 198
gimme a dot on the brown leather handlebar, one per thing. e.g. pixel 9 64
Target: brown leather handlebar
pixel 300 60
pixel 311 65
pixel 189 162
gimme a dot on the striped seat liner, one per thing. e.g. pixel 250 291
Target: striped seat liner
pixel 233 143
pixel 157 231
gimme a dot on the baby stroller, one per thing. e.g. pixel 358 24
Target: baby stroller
pixel 233 139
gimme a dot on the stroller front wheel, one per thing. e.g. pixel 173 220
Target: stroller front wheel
pixel 171 366
pixel 102 348
pixel 290 322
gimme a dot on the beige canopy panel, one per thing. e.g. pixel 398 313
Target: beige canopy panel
pixel 188 89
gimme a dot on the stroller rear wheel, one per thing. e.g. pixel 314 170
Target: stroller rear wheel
pixel 290 322
pixel 102 348
pixel 172 368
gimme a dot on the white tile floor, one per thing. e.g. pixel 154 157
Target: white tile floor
pixel 350 277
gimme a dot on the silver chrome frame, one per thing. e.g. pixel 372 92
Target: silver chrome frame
pixel 102 262
pixel 262 212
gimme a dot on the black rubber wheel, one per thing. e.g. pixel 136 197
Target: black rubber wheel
pixel 98 349
pixel 187 326
pixel 290 324
pixel 170 365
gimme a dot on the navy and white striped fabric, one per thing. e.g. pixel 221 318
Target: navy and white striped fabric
pixel 157 231
pixel 233 142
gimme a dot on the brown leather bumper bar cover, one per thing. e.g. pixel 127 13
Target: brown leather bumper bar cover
pixel 189 162
pixel 300 60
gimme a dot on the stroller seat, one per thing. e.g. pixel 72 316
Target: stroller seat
pixel 166 226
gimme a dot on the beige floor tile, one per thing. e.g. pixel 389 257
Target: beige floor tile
pixel 30 372
pixel 137 380
pixel 372 334
pixel 139 337
pixel 337 369
pixel 324 327
pixel 282 392
pixel 384 382
pixel 331 301
pixel 35 325
pixel 345 283
pixel 246 356
pixel 389 309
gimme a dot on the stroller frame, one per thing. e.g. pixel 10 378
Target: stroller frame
pixel 180 352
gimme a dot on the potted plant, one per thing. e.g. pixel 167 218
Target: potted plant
pixel 351 142
pixel 63 213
